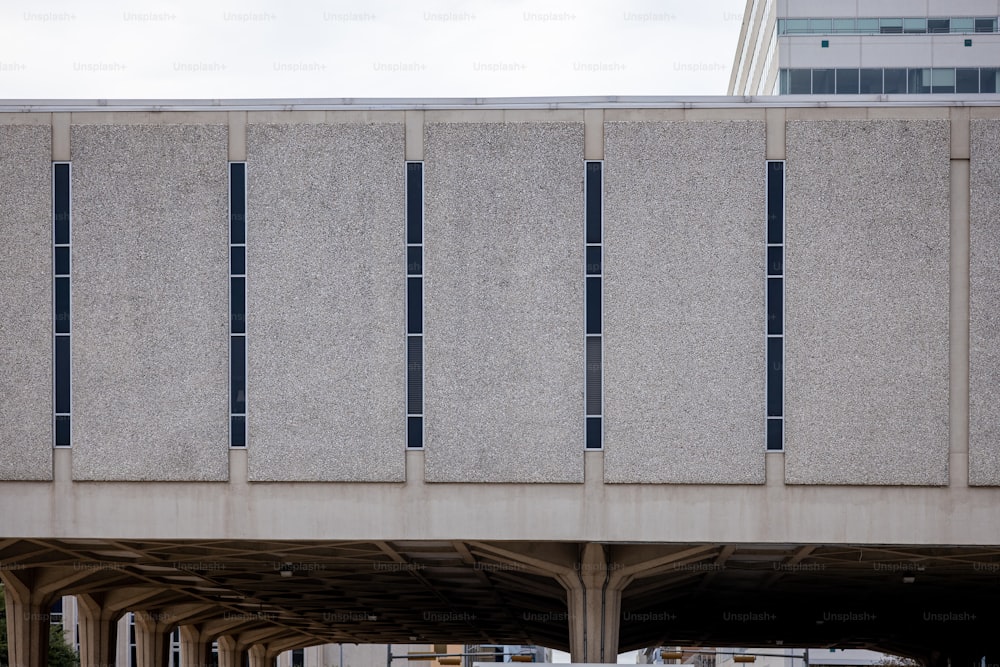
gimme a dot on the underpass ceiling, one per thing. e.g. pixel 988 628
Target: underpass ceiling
pixel 889 597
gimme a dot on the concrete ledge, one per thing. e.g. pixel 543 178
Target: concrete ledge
pixel 548 512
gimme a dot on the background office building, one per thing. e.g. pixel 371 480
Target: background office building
pixel 870 47
pixel 588 374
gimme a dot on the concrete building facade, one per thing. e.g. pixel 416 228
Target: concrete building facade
pixel 577 373
pixel 867 47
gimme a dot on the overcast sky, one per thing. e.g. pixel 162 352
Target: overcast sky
pixel 352 48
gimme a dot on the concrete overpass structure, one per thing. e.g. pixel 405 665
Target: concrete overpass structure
pixel 593 374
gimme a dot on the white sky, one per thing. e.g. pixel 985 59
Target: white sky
pixel 353 48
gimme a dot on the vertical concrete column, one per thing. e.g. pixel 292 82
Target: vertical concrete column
pixel 98 632
pixel 260 657
pixel 594 599
pixel 152 640
pixel 27 621
pixel 229 655
pixel 195 649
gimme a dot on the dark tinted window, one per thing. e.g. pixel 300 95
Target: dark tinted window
pixel 62 374
pixel 60 207
pixel 237 260
pixel 774 439
pixel 415 374
pixel 593 375
pixel 62 305
pixel 988 80
pixel 594 433
pixel 799 81
pixel 775 202
pixel 774 370
pixel 967 80
pixel 238 430
pixel 774 305
pixel 870 82
pixel 895 81
pixel 237 202
pixel 917 81
pixel 775 261
pixel 414 260
pixel 938 25
pixel 62 431
pixel 238 374
pixel 237 304
pixel 593 305
pixel 593 202
pixel 62 261
pixel 414 432
pixel 414 305
pixel 823 82
pixel 414 202
pixel 593 260
pixel 847 81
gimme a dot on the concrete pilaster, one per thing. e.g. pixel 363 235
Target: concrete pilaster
pixel 98 624
pixel 152 640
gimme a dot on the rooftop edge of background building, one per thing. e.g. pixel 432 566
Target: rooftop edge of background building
pixel 582 102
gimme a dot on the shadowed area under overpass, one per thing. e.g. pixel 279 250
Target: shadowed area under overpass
pixel 917 601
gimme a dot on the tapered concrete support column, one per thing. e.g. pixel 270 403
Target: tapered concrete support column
pixel 27 621
pixel 229 655
pixel 195 649
pixel 98 625
pixel 260 657
pixel 152 640
pixel 594 597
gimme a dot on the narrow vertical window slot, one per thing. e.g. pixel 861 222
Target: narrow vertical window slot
pixel 593 376
pixel 238 287
pixel 593 289
pixel 593 318
pixel 775 307
pixel 774 376
pixel 414 368
pixel 237 305
pixel 61 305
pixel 775 323
pixel 414 305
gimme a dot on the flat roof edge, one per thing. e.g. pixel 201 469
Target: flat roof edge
pixel 594 102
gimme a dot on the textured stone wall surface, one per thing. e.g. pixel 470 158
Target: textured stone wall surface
pixel 504 291
pixel 326 347
pixel 150 302
pixel 867 294
pixel 25 302
pixel 984 316
pixel 684 302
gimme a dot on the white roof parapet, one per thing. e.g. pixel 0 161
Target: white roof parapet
pixel 585 102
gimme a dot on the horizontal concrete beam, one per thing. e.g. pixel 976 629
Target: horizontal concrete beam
pixel 551 512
